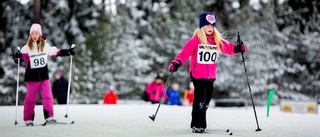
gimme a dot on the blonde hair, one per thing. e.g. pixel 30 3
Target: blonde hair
pixel 203 39
pixel 40 44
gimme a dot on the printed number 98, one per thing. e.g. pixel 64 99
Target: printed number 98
pixel 37 62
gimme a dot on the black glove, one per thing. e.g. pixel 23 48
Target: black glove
pixel 71 51
pixel 175 64
pixel 18 54
pixel 66 52
pixel 240 47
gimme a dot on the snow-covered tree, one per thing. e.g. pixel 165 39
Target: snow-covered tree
pixel 13 33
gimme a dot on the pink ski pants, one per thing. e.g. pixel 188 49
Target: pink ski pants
pixel 30 100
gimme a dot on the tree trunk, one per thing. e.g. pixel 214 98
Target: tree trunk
pixel 36 11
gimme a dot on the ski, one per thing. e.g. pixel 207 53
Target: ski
pixel 208 131
pixel 45 124
pixel 58 122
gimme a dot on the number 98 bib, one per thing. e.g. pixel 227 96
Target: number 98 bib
pixel 38 60
pixel 207 54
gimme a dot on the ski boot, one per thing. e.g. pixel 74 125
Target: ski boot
pixel 198 130
pixel 51 120
pixel 29 123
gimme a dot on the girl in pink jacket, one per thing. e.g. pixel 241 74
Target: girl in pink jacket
pixel 155 90
pixel 35 53
pixel 204 48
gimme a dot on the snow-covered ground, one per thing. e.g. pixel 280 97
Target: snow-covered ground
pixel 131 120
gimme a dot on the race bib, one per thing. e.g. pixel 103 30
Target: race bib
pixel 38 60
pixel 207 54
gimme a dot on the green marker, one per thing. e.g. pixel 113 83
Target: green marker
pixel 271 93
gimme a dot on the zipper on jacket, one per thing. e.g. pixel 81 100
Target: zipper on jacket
pixel 38 68
pixel 208 73
pixel 39 75
pixel 207 66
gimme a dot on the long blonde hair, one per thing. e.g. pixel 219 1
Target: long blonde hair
pixel 40 44
pixel 203 39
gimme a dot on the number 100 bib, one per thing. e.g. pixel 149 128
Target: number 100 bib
pixel 38 60
pixel 207 54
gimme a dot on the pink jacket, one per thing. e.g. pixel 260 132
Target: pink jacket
pixel 198 71
pixel 155 91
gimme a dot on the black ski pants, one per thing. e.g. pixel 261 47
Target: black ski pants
pixel 203 90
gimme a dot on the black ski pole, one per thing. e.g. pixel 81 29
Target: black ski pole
pixel 153 117
pixel 245 70
pixel 69 84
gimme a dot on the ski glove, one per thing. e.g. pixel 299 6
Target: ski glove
pixel 67 52
pixel 240 47
pixel 18 54
pixel 175 64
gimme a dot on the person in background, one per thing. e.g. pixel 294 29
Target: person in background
pixel 155 90
pixel 110 97
pixel 188 95
pixel 174 95
pixel 60 88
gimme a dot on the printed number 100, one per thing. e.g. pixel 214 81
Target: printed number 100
pixel 207 56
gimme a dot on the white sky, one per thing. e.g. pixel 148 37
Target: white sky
pixel 23 1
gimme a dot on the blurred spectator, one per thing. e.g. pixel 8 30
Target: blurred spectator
pixel 188 95
pixel 174 95
pixel 110 97
pixel 60 88
pixel 155 90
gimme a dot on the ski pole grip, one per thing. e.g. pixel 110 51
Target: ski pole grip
pixel 238 41
pixel 72 46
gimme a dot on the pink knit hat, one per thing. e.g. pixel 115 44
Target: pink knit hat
pixel 36 27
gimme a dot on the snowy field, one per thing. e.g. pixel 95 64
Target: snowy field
pixel 131 120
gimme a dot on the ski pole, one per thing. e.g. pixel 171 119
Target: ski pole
pixel 153 117
pixel 17 89
pixel 245 70
pixel 69 82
